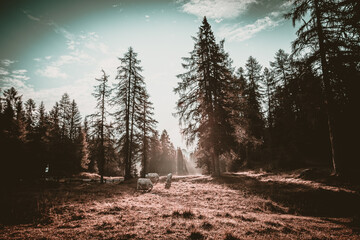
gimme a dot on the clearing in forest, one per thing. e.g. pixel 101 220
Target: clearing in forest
pixel 244 205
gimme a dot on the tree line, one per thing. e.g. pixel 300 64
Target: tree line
pixel 298 112
pixel 58 143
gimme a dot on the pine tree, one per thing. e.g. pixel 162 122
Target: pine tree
pixel 102 94
pixel 128 100
pixel 269 83
pixel 203 107
pixel 74 121
pixel 42 138
pixel 12 137
pixel 64 115
pixel 253 114
pixel 316 34
pixel 167 156
pixel 30 116
pixel 55 140
pixel 154 153
pixel 181 163
pixel 146 125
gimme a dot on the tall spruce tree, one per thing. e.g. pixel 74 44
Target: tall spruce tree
pixel 127 99
pixel 203 107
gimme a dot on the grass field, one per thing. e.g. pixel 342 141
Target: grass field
pixel 245 205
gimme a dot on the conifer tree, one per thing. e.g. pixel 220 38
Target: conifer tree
pixel 318 33
pixel 203 107
pixel 253 114
pixel 146 125
pixel 127 99
pixel 64 115
pixel 101 94
pixel 154 153
pixel 74 121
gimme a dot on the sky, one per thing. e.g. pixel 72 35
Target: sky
pixel 49 47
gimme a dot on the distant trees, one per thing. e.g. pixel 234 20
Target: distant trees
pixel 181 168
pixel 34 140
pixel 58 141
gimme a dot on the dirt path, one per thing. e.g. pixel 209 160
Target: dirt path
pixel 236 206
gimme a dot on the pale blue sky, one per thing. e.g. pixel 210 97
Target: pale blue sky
pixel 51 47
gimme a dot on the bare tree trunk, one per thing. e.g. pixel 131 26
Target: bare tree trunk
pixel 327 87
pixel 132 126
pixel 127 174
pixel 102 163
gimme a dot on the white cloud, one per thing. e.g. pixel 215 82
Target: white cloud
pixel 16 78
pixel 217 9
pixel 51 72
pixel 6 62
pixel 242 33
pixel 18 83
pixel 31 17
pixel 19 72
pixel 287 4
pixel 3 71
pixel 20 77
pixel 37 59
pixel 48 57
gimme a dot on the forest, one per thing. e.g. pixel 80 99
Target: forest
pixel 299 113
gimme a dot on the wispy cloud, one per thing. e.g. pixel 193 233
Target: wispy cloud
pixel 73 41
pixel 6 62
pixel 31 17
pixel 19 72
pixel 51 72
pixel 3 71
pixel 13 78
pixel 242 33
pixel 217 9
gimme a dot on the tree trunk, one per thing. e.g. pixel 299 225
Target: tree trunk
pixel 127 174
pixel 327 87
pixel 144 160
pixel 102 154
pixel 132 127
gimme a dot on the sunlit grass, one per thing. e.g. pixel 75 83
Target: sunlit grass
pixel 195 207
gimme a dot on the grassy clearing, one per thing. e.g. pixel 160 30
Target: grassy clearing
pixel 236 206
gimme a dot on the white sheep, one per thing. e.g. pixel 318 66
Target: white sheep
pixel 144 184
pixel 154 177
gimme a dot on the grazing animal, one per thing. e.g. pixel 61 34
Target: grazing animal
pixel 168 181
pixel 154 177
pixel 144 184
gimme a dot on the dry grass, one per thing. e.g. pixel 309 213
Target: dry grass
pixel 236 206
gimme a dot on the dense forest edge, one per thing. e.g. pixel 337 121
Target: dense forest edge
pixel 298 113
